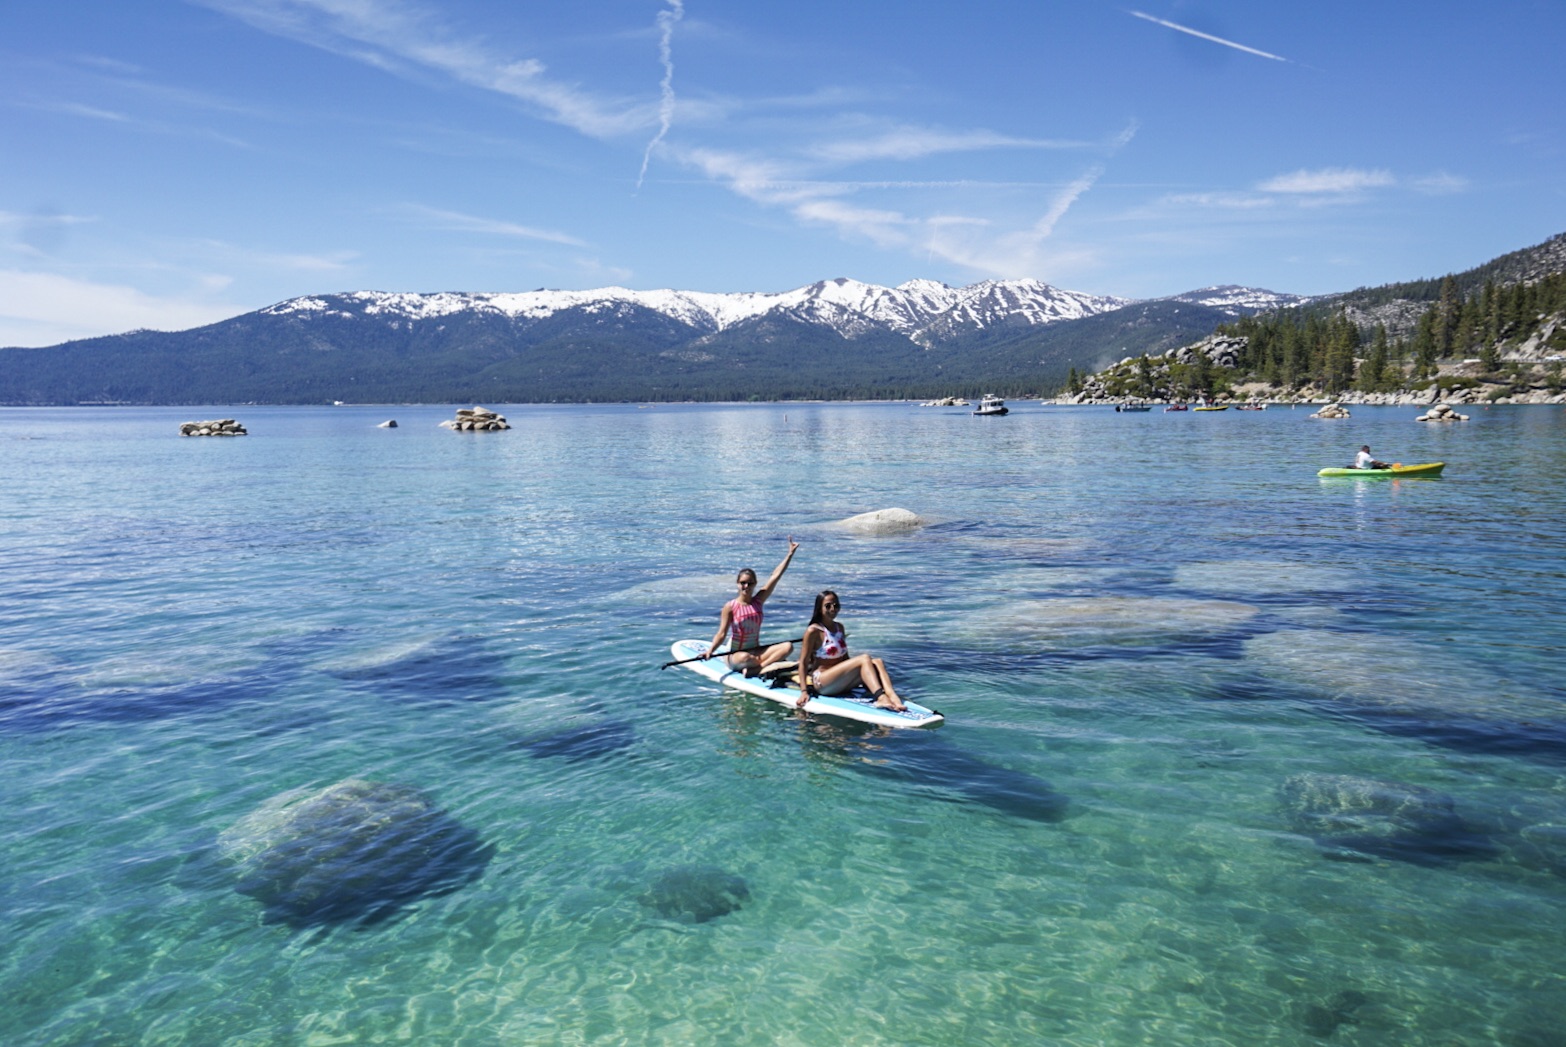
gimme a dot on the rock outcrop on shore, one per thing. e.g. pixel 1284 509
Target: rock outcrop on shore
pixel 1441 413
pixel 1332 411
pixel 476 420
pixel 221 427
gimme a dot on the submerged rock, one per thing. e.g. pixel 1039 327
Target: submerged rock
pixel 1323 1019
pixel 696 893
pixel 1385 819
pixel 1072 622
pixel 883 521
pixel 578 739
pixel 1266 577
pixel 353 852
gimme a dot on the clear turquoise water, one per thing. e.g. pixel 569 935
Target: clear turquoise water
pixel 1140 628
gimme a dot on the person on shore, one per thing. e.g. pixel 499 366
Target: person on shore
pixel 1363 460
pixel 741 619
pixel 826 667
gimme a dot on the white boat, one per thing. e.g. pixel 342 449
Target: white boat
pixel 991 405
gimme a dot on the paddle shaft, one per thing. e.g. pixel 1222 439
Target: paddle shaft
pixel 719 654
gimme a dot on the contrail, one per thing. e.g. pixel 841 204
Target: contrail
pixel 1205 36
pixel 666 20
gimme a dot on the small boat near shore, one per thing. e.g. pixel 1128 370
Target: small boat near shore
pixel 1176 407
pixel 992 405
pixel 1133 407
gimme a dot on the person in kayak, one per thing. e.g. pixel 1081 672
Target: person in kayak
pixel 1363 460
pixel 826 667
pixel 741 619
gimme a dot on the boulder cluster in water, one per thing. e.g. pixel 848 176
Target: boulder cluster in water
pixel 476 419
pixel 357 851
pixel 1441 413
pixel 221 427
pixel 1332 411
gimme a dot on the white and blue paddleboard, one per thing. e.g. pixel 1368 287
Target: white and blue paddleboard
pixel 856 705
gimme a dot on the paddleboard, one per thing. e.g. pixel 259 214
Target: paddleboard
pixel 856 705
pixel 1426 469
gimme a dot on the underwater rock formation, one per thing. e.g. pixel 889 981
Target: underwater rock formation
pixel 696 893
pixel 1069 623
pixel 354 852
pixel 1348 815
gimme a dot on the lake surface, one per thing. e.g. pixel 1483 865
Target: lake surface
pixel 1233 754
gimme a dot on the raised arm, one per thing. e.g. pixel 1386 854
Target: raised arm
pixel 777 573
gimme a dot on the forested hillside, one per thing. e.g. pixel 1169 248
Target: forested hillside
pixel 1473 330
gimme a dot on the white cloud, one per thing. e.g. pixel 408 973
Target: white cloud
pixel 45 308
pixel 391 34
pixel 911 143
pixel 466 223
pixel 1328 180
pixel 1441 184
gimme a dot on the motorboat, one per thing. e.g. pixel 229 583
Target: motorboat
pixel 1177 407
pixel 1133 407
pixel 992 405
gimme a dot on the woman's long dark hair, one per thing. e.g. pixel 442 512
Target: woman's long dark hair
pixel 816 617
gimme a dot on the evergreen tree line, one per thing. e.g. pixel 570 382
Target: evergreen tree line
pixel 1299 347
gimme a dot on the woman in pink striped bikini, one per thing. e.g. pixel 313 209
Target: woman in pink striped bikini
pixel 741 619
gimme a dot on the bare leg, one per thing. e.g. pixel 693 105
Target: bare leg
pixel 880 683
pixel 776 653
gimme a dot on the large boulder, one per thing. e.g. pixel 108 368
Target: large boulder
pixel 1332 411
pixel 476 420
pixel 218 427
pixel 1352 816
pixel 354 852
pixel 696 893
pixel 883 521
pixel 1442 413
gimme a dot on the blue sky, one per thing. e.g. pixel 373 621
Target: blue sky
pixel 168 163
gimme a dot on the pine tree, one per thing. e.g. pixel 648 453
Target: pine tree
pixel 1373 373
pixel 1425 345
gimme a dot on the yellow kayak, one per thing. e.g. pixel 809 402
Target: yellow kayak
pixel 1426 469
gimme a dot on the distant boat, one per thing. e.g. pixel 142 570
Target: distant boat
pixel 992 405
pixel 1133 407
pixel 1205 406
pixel 1177 407
pixel 1250 407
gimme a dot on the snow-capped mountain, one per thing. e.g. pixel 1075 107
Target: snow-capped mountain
pixel 922 310
pixel 832 339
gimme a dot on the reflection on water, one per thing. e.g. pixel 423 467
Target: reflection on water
pixel 317 736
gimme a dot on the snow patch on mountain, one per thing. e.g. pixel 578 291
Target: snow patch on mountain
pixel 1239 301
pixel 924 310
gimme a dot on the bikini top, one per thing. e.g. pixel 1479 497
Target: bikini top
pixel 833 645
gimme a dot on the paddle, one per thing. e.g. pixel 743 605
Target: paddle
pixel 717 654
